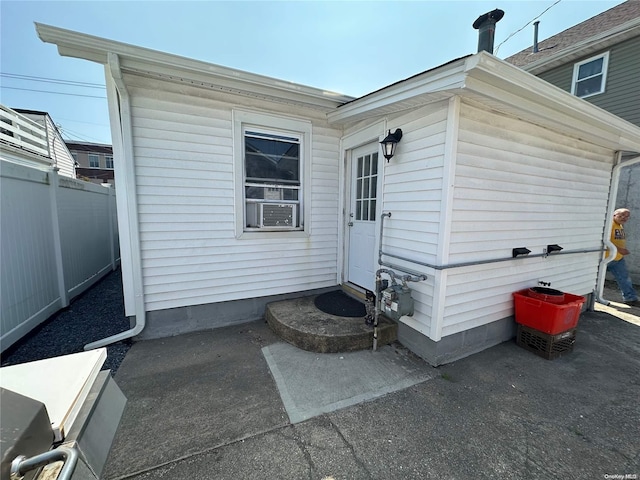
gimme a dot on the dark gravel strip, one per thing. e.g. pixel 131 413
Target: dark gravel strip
pixel 96 314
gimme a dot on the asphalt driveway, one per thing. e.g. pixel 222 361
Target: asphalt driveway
pixel 204 405
pixel 207 405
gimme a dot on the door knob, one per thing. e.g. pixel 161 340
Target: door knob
pixel 350 224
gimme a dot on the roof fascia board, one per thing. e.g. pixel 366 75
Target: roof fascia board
pixel 491 77
pixel 603 40
pixel 205 80
pixel 447 78
pixel 96 49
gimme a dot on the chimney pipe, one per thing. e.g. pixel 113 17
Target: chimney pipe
pixel 535 36
pixel 486 26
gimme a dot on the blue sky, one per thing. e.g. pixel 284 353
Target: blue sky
pixel 352 47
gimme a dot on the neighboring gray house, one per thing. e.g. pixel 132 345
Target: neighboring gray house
pixel 599 60
pixel 236 189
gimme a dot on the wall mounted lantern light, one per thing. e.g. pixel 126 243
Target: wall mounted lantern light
pixel 390 142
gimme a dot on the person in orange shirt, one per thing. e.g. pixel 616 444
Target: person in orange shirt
pixel 618 267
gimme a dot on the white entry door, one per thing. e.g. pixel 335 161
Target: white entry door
pixel 363 207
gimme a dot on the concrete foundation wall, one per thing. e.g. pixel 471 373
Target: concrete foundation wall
pixel 459 345
pixel 176 321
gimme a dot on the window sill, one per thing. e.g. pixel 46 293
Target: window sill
pixel 591 95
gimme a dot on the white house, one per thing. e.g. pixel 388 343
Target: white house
pixel 31 138
pixel 235 190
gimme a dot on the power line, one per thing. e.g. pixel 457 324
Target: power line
pixel 52 80
pixel 80 121
pixel 525 25
pixel 71 133
pixel 56 93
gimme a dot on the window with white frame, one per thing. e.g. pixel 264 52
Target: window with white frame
pixel 108 160
pixel 272 179
pixel 590 76
pixel 270 172
pixel 94 160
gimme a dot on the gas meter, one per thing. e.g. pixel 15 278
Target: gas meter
pixel 397 301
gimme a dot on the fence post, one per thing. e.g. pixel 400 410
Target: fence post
pixel 111 240
pixel 54 187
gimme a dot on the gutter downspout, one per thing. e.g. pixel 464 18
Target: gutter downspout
pixel 613 192
pixel 122 133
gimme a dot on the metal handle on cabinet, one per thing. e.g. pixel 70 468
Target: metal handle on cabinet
pixel 21 465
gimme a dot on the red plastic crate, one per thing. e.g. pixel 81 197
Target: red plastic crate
pixel 550 318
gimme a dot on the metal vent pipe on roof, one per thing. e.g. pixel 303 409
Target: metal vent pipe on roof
pixel 535 36
pixel 486 26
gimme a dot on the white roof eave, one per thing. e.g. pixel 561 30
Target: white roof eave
pixel 504 87
pixel 540 102
pixel 481 76
pixel 96 49
pixel 430 86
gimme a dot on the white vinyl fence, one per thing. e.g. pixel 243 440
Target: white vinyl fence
pixel 58 236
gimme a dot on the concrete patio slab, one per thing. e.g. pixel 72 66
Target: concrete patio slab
pixel 192 393
pixel 313 383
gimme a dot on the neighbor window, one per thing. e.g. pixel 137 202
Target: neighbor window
pixel 590 76
pixel 108 159
pixel 94 161
pixel 272 158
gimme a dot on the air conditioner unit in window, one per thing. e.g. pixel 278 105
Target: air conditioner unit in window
pixel 277 215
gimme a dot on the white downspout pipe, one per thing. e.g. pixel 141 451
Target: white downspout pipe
pixel 122 135
pixel 613 192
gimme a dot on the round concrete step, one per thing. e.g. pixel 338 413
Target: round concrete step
pixel 300 323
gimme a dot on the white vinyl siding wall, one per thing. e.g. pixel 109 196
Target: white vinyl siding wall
pixel 412 192
pixel 519 185
pixel 183 148
pixel 58 151
pixel 60 155
pixel 413 185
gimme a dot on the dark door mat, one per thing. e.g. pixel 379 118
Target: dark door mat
pixel 340 304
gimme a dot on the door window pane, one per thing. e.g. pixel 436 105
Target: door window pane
pixel 366 187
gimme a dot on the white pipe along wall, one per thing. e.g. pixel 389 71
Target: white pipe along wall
pixel 123 137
